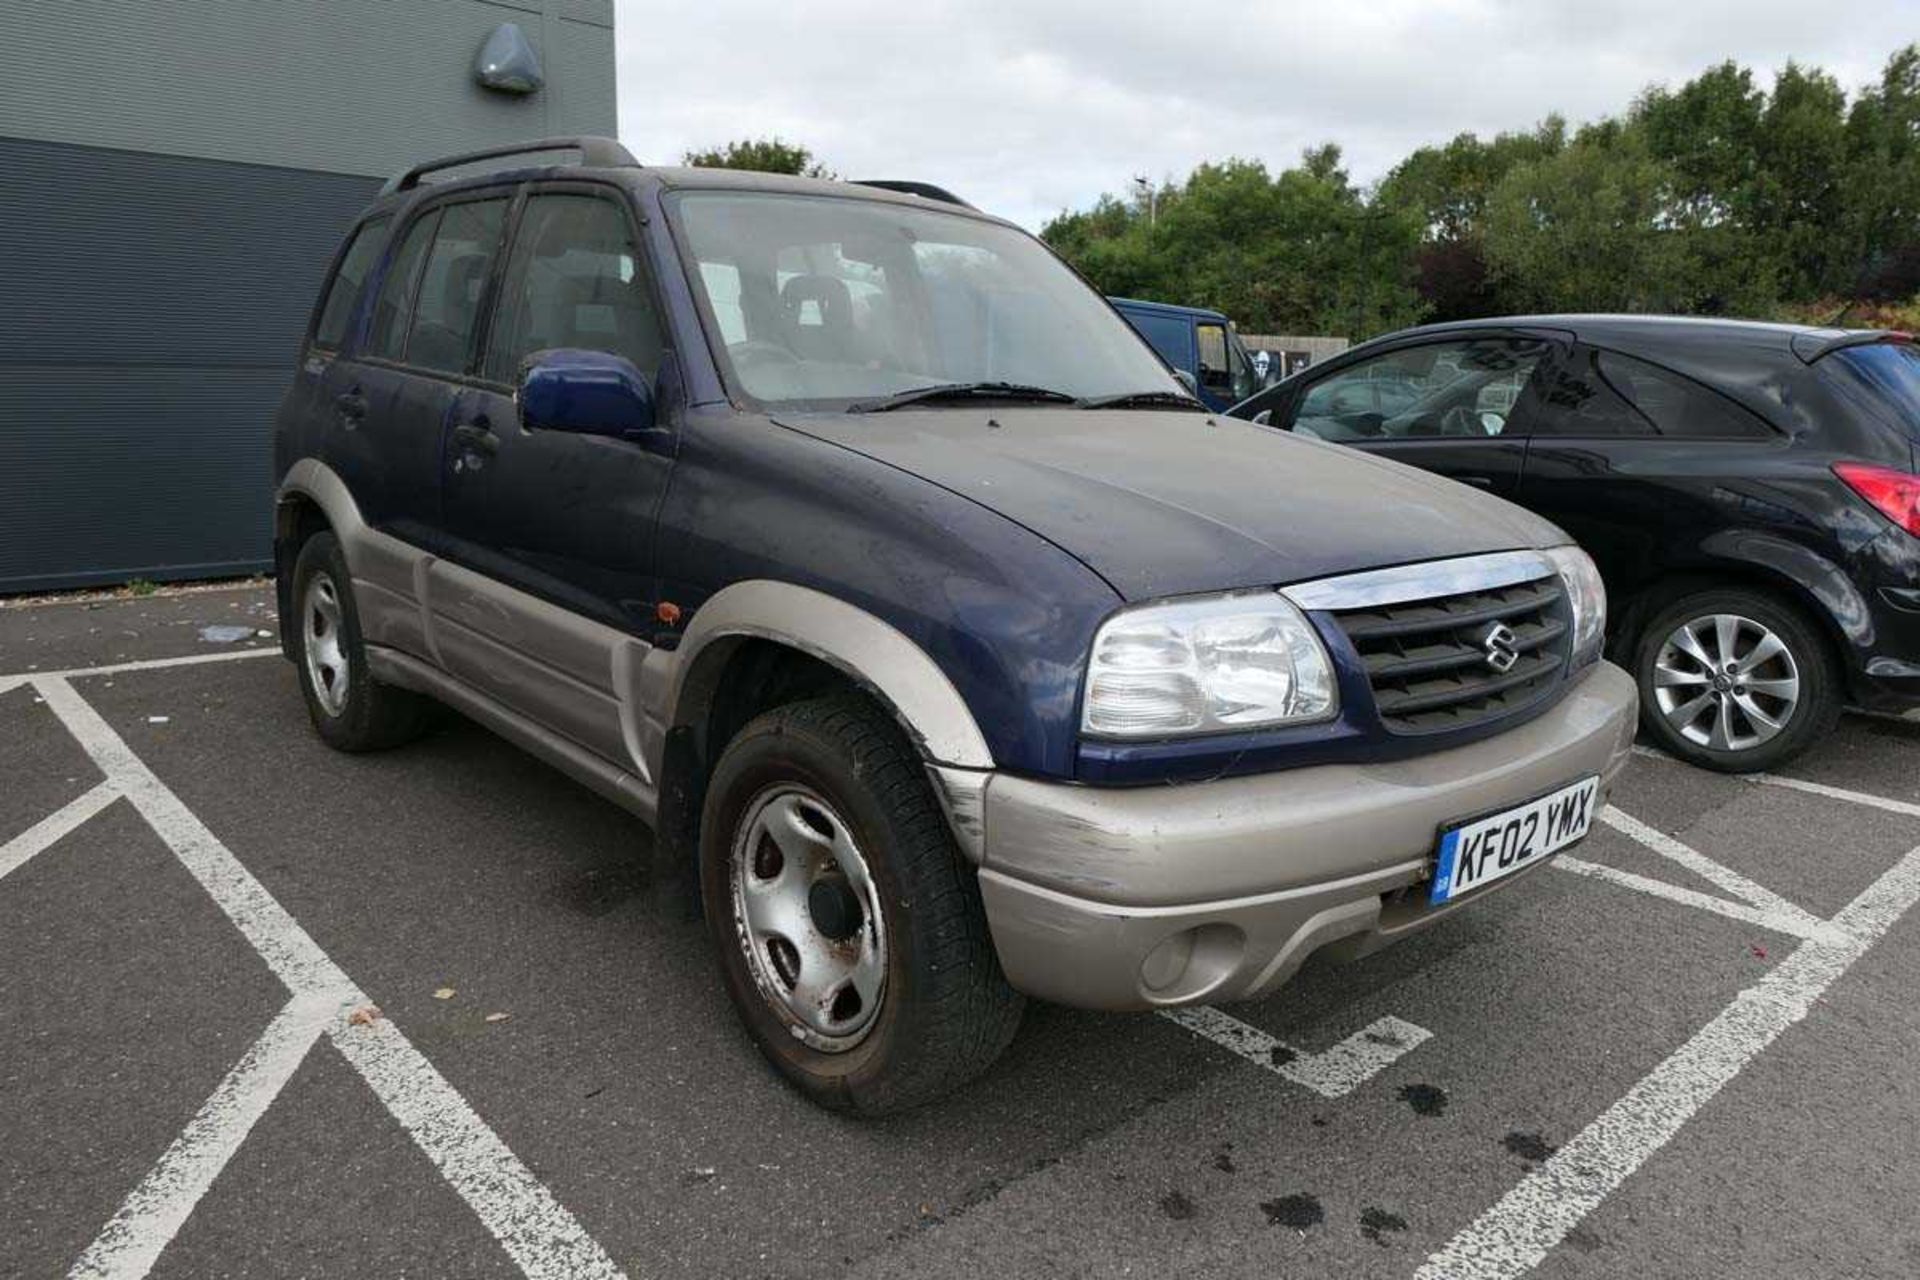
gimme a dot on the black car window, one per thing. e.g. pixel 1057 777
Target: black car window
pixel 1473 387
pixel 574 279
pixel 447 305
pixel 395 303
pixel 1888 374
pixel 1604 393
pixel 344 288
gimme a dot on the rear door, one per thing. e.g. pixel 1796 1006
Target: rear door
pixel 1628 456
pixel 1461 406
pixel 391 402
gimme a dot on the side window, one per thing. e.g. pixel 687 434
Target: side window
pixel 1170 337
pixel 343 290
pixel 1675 405
pixel 1465 388
pixel 1581 400
pixel 574 280
pixel 1214 373
pixel 447 305
pixel 394 307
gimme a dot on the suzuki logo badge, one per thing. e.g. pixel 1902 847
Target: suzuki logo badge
pixel 1500 643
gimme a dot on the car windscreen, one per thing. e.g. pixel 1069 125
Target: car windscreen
pixel 1889 374
pixel 820 301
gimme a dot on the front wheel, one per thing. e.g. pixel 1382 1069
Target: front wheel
pixel 1735 680
pixel 849 929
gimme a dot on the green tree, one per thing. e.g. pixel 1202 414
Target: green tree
pixel 763 155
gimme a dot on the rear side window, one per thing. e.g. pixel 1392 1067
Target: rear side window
pixel 574 280
pixel 1603 393
pixel 344 288
pixel 394 307
pixel 1889 374
pixel 452 282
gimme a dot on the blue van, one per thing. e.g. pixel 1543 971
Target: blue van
pixel 1199 343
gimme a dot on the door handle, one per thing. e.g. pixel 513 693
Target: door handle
pixel 475 443
pixel 351 407
pixel 1478 482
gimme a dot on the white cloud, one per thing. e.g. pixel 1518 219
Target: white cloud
pixel 1029 108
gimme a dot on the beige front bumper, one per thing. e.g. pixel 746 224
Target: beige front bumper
pixel 1134 898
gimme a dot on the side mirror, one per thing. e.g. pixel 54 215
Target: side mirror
pixel 1216 379
pixel 587 392
pixel 1186 380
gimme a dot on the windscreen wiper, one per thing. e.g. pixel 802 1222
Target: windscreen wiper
pixel 1144 400
pixel 962 391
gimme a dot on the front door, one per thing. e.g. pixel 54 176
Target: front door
pixel 1459 406
pixel 564 520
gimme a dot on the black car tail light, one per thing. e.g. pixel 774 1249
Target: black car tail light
pixel 1895 494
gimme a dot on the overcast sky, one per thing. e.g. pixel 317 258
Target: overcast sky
pixel 1028 107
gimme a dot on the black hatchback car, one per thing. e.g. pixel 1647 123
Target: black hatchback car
pixel 1748 490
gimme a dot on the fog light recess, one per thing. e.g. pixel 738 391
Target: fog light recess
pixel 1192 962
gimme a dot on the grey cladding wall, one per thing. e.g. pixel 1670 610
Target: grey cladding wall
pixel 150 311
pixel 347 86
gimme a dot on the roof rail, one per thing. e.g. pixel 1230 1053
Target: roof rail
pixel 596 152
pixel 926 190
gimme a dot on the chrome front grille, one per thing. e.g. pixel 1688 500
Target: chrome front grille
pixel 1460 660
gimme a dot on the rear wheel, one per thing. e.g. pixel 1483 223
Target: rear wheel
pixel 850 931
pixel 1735 680
pixel 349 708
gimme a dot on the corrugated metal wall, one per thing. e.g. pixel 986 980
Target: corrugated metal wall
pixel 150 309
pixel 175 179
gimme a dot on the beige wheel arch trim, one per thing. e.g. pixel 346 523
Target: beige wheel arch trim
pixel 870 651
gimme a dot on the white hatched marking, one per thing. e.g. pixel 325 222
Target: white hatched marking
pixel 542 1238
pixel 15 852
pixel 1904 807
pixel 1333 1074
pixel 132 1241
pixel 1706 868
pixel 1513 1236
pixel 1793 924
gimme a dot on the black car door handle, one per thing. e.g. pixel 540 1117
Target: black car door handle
pixel 474 443
pixel 1478 482
pixel 475 436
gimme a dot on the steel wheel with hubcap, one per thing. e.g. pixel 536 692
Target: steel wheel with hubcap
pixel 848 925
pixel 1735 679
pixel 326 656
pixel 349 708
pixel 808 918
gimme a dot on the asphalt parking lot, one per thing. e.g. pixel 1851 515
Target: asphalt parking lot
pixel 1685 1050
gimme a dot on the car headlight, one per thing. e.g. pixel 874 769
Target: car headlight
pixel 1588 596
pixel 1250 660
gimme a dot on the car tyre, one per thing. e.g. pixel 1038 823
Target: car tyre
pixel 1735 679
pixel 849 929
pixel 350 709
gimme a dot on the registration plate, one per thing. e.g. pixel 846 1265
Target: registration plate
pixel 1481 851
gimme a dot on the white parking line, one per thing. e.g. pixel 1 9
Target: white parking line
pixel 132 1241
pixel 541 1237
pixel 13 678
pixel 1515 1234
pixel 1904 807
pixel 1332 1074
pixel 15 852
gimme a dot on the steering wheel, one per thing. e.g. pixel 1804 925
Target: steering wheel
pixel 1461 421
pixel 761 350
